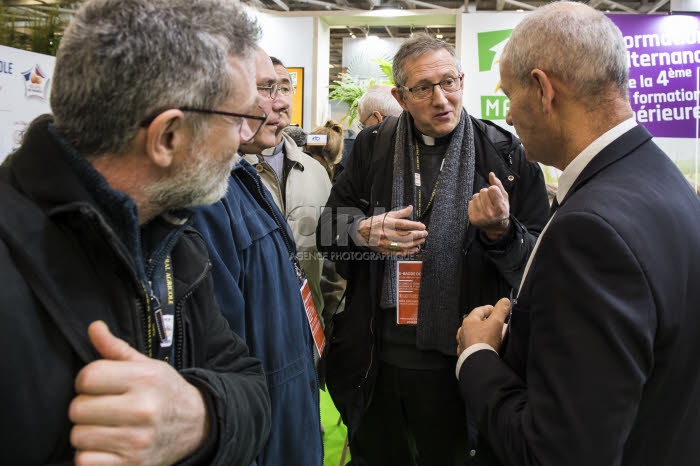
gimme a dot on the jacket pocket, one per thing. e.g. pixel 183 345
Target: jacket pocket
pixel 258 224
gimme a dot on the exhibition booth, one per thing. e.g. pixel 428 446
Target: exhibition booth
pixel 664 57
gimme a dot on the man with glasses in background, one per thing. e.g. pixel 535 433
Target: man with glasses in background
pixel 258 281
pixel 300 187
pixel 444 211
pixel 115 350
pixel 376 104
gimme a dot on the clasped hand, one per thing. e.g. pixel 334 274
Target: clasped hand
pixel 392 233
pixel 131 409
pixel 485 324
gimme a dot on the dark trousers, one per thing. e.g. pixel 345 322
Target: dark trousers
pixel 415 418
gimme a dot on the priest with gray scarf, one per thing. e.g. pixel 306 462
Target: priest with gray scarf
pixel 456 194
pixel 438 312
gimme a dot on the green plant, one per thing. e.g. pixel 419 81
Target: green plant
pixel 41 34
pixel 9 35
pixel 45 31
pixel 387 68
pixel 349 89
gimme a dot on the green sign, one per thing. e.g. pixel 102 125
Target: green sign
pixel 494 107
pixel 490 44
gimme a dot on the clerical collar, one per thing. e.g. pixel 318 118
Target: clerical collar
pixel 431 141
pixel 428 140
pixel 274 150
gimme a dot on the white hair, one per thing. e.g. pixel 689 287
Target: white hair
pixel 378 98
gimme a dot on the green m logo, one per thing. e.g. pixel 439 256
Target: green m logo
pixel 493 107
pixel 490 46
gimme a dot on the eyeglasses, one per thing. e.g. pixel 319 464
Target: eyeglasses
pixel 424 91
pixel 253 122
pixel 273 89
pixel 363 123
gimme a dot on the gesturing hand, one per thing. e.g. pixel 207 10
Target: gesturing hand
pixel 131 409
pixel 483 325
pixel 489 209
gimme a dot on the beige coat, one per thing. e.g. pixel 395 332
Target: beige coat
pixel 307 190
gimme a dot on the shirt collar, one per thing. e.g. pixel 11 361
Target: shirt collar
pixel 574 169
pixel 274 150
pixel 428 140
pixel 291 153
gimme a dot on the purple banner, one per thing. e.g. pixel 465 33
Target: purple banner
pixel 664 59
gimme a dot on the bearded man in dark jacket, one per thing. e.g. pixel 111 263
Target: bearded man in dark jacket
pixel 434 212
pixel 115 351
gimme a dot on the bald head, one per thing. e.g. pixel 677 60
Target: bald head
pixel 574 43
pixel 378 98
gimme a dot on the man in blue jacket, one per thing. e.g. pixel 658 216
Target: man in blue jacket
pixel 114 350
pixel 257 281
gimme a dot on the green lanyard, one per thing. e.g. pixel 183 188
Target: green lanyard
pixel 419 210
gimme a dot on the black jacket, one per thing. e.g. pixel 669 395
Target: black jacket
pixel 65 264
pixel 601 363
pixel 492 269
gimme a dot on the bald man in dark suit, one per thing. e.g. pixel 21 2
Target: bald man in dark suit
pixel 600 362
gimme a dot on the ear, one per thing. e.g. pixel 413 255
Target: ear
pixel 398 95
pixel 378 116
pixel 544 88
pixel 166 135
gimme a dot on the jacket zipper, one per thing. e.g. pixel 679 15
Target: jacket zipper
pixel 371 331
pixel 103 228
pixel 280 183
pixel 179 321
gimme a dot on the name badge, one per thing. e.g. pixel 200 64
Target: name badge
pixel 408 275
pixel 168 326
pixel 312 315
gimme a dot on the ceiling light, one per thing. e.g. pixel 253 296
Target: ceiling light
pixel 388 5
pixel 438 36
pixel 388 13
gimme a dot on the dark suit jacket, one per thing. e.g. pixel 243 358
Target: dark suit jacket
pixel 601 365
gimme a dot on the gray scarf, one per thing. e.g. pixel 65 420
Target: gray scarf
pixel 441 278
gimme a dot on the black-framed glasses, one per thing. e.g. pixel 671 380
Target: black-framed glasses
pixel 253 122
pixel 273 89
pixel 424 91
